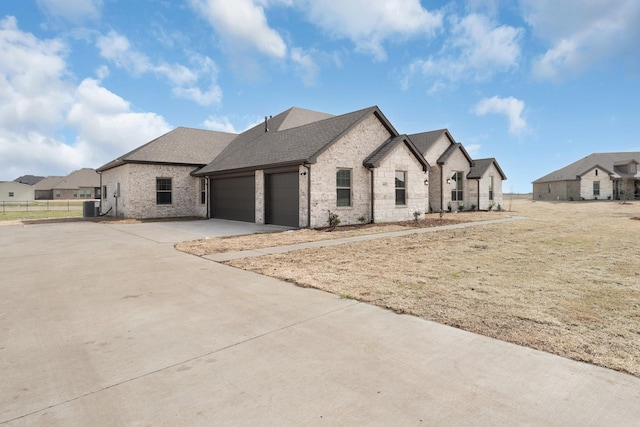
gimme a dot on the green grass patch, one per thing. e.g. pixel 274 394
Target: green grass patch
pixel 20 215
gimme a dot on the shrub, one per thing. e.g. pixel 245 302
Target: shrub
pixel 460 208
pixel 499 207
pixel 416 215
pixel 334 220
pixel 491 205
pixel 473 207
pixel 362 219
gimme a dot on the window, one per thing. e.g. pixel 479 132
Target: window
pixel 401 188
pixel 203 191
pixel 632 168
pixel 10 193
pixel 85 193
pixel 456 186
pixel 491 188
pixel 104 192
pixel 596 188
pixel 548 188
pixel 75 194
pixel 98 194
pixel 596 172
pixel 57 194
pixel 343 186
pixel 163 191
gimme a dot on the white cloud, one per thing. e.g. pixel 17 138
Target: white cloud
pixel 369 23
pixel 305 65
pixel 117 49
pixel 220 124
pixel 582 33
pixel 72 10
pixel 242 24
pixel 477 48
pixel 510 107
pixel 105 124
pixel 49 125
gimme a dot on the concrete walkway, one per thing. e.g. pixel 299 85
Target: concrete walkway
pixel 102 326
pixel 228 256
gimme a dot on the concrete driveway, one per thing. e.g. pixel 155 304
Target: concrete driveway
pixel 109 325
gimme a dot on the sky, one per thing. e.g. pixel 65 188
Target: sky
pixel 537 84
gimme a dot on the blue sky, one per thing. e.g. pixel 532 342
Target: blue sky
pixel 537 84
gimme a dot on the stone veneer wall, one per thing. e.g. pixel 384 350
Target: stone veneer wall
pixel 497 189
pixel 349 153
pixel 138 191
pixel 457 161
pixel 586 185
pixel 417 197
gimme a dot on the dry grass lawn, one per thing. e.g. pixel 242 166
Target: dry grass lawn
pixel 566 280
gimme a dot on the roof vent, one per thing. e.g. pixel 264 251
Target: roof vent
pixel 266 126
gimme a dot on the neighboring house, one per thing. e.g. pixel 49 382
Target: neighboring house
pixel 597 176
pixel 297 169
pixel 44 189
pixel 455 179
pixel 29 179
pixel 11 191
pixel 81 184
pixel 155 181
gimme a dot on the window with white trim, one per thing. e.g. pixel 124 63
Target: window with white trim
pixel 456 186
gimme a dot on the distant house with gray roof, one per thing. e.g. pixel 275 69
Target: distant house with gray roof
pixel 295 169
pixel 597 176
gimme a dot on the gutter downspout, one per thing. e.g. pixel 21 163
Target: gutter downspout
pixel 308 167
pixel 101 196
pixel 208 195
pixel 373 211
pixel 478 194
pixel 441 189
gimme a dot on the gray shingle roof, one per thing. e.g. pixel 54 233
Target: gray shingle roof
pixel 185 146
pixel 48 183
pixel 606 161
pixel 256 148
pixel 425 140
pixel 82 178
pixel 376 158
pixel 29 179
pixel 480 166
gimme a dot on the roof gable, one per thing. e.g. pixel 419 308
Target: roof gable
pixel 425 140
pixel 480 167
pixel 377 157
pixel 452 149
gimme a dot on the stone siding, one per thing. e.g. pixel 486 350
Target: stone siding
pixel 349 153
pixel 482 198
pixel 138 192
pixel 586 185
pixel 457 161
pixel 385 208
pixel 259 195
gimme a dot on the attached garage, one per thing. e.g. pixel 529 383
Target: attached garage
pixel 282 199
pixel 234 198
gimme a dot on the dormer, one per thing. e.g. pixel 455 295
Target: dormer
pixel 626 167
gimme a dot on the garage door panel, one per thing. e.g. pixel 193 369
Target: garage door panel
pixel 234 198
pixel 282 199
